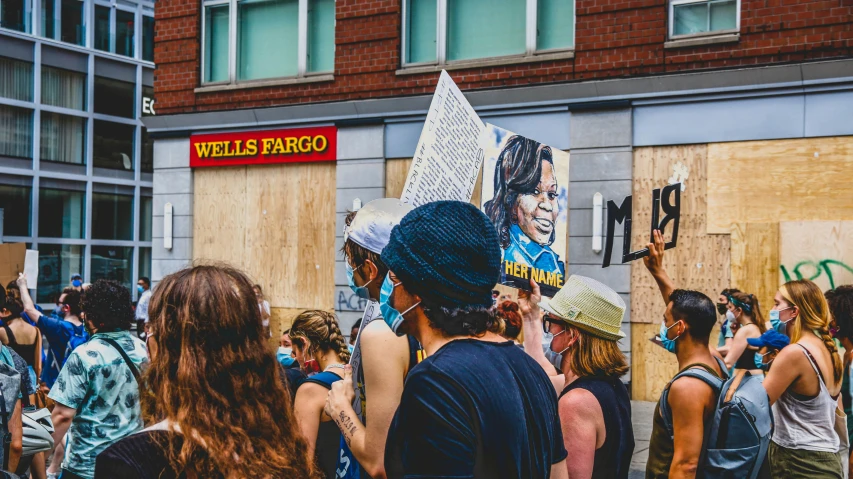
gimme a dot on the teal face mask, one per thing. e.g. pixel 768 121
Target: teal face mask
pixel 668 344
pixel 759 361
pixel 360 291
pixel 392 317
pixel 284 358
pixel 780 326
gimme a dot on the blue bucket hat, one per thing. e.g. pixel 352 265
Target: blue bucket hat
pixel 771 338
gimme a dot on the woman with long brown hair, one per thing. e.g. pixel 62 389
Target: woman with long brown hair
pixel 803 386
pixel 744 310
pixel 320 348
pixel 215 387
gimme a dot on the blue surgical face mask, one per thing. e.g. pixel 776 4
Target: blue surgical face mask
pixel 283 356
pixel 777 323
pixel 76 283
pixel 668 344
pixel 57 311
pixel 392 317
pixel 140 288
pixel 360 291
pixel 759 358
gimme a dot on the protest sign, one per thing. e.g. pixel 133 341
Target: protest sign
pixel 671 206
pixel 526 195
pixel 447 158
pixel 12 259
pixel 31 268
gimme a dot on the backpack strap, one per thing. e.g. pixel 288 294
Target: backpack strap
pixel 325 379
pixel 133 369
pixel 698 371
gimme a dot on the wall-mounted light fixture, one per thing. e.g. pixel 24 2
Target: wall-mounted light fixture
pixel 167 226
pixel 597 215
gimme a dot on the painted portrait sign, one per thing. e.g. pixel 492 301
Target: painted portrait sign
pixel 526 195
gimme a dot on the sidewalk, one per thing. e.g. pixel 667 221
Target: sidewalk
pixel 641 418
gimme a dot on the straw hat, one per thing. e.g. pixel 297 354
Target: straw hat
pixel 589 305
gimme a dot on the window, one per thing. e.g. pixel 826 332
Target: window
pixel 112 262
pixel 147 163
pixel 114 97
pixel 102 28
pixel 62 211
pixel 112 216
pixel 16 132
pixel 112 145
pixel 146 212
pixel 15 15
pixel 48 18
pixel 63 88
pixel 16 196
pixel 57 262
pixel 273 39
pixel 144 262
pixel 148 38
pixel 694 17
pixel 474 29
pixel 72 25
pixel 63 138
pixel 125 30
pixel 16 79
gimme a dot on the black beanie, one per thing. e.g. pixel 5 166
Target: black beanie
pixel 446 252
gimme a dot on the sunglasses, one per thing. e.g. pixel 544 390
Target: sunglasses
pixel 548 321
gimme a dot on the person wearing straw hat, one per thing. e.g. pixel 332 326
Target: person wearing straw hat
pixel 585 319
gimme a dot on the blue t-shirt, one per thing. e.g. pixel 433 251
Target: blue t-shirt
pixel 59 333
pixel 476 409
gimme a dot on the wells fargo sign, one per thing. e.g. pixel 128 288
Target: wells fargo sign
pixel 264 147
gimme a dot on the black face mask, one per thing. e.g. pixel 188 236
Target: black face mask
pixel 721 308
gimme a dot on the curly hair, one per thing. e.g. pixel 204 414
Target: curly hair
pixel 514 176
pixel 321 329
pixel 840 302
pixel 508 314
pixel 469 320
pixel 107 304
pixel 213 374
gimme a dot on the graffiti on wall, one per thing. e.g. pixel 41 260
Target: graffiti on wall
pixel 831 271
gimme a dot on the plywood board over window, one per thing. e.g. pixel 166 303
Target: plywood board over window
pixel 276 222
pixel 821 251
pixel 755 261
pixel 699 262
pixel 779 180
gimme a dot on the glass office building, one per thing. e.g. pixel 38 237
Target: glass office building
pixel 76 165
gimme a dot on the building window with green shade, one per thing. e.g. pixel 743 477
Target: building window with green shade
pixel 48 18
pixel 112 216
pixel 114 263
pixel 57 262
pixel 114 97
pixel 479 29
pixel 63 138
pixel 102 28
pixel 692 17
pixel 125 31
pixel 16 79
pixel 63 88
pixel 15 15
pixel 112 145
pixel 62 212
pixel 148 38
pixel 272 39
pixel 146 213
pixel 216 52
pixel 72 25
pixel 16 197
pixel 16 132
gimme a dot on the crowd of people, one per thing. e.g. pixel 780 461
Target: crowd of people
pixel 441 377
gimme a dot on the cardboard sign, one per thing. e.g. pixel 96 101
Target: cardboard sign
pixel 264 147
pixel 447 158
pixel 623 214
pixel 31 268
pixel 12 260
pixel 526 195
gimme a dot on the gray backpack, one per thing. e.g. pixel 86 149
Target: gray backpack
pixel 738 436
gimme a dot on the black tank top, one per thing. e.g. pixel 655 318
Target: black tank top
pixel 328 435
pixel 26 351
pixel 746 359
pixel 613 458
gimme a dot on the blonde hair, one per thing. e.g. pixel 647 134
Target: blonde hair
pixel 594 356
pixel 814 315
pixel 322 330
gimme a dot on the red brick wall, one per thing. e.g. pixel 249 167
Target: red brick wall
pixel 614 38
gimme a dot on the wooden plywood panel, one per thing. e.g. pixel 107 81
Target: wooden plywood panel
pixel 651 365
pixel 779 180
pixel 396 171
pixel 700 261
pixel 821 251
pixel 755 260
pixel 219 232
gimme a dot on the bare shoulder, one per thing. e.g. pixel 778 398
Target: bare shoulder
pixel 688 389
pixel 310 392
pixel 381 348
pixel 579 404
pixel 377 333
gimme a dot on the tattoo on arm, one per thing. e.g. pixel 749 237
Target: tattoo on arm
pixel 347 427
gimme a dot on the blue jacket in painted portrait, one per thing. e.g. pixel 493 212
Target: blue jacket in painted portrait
pixel 523 250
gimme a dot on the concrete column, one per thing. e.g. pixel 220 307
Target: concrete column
pixel 173 183
pixel 360 174
pixel 601 162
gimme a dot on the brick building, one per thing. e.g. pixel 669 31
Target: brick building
pixel 629 88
